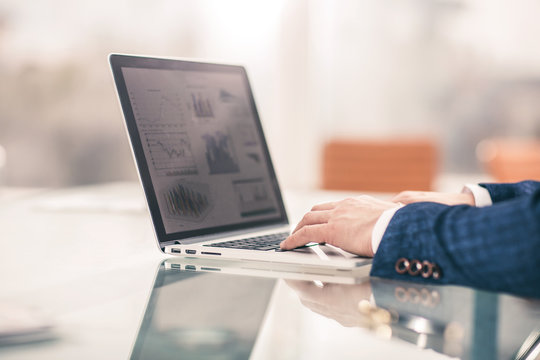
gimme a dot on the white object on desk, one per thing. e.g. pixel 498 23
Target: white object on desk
pixel 20 325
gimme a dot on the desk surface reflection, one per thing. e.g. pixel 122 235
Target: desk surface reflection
pixel 200 313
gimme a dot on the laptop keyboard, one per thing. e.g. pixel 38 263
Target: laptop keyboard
pixel 262 243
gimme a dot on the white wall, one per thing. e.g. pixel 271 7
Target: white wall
pixel 457 71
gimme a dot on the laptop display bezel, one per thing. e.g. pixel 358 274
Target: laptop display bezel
pixel 117 63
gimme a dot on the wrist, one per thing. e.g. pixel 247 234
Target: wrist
pixel 380 228
pixel 480 195
pixel 468 198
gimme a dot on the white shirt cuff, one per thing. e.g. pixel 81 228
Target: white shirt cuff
pixel 480 194
pixel 380 227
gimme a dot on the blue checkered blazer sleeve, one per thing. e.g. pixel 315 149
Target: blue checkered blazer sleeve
pixel 495 247
pixel 503 192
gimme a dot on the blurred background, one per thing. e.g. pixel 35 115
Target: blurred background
pixel 462 76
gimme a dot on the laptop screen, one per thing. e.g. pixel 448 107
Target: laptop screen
pixel 199 146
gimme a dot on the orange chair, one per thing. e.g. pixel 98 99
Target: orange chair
pixel 385 166
pixel 510 160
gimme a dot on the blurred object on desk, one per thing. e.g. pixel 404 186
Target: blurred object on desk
pixel 386 165
pixel 510 159
pixel 23 325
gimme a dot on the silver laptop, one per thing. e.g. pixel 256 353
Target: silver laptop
pixel 204 163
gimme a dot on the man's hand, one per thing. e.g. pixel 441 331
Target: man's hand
pixel 408 197
pixel 347 224
pixel 334 301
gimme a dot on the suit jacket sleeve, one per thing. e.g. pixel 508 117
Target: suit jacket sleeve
pixel 495 247
pixel 502 192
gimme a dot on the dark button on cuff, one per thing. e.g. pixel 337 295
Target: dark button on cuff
pixel 402 265
pixel 415 267
pixel 427 269
pixel 437 272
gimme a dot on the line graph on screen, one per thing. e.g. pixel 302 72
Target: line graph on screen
pixel 156 108
pixel 171 153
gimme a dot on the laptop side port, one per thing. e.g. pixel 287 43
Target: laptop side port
pixel 191 252
pixel 175 251
pixel 209 253
pixel 209 268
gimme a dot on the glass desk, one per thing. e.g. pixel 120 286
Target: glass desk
pixel 196 312
pixel 84 275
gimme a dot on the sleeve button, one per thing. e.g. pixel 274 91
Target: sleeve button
pixel 427 269
pixel 437 272
pixel 402 265
pixel 415 267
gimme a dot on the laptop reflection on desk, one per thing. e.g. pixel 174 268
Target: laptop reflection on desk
pixel 269 270
pixel 198 315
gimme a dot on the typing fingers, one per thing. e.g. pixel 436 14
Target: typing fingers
pixel 313 218
pixel 407 197
pixel 310 233
pixel 324 206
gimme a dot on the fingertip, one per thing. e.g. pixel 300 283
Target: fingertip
pixel 288 244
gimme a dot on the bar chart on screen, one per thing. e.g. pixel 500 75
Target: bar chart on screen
pixel 188 201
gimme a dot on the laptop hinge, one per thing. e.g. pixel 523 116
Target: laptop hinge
pixel 167 243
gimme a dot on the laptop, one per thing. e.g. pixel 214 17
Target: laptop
pixel 204 164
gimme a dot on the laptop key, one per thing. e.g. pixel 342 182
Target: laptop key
pixel 262 243
pixel 267 248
